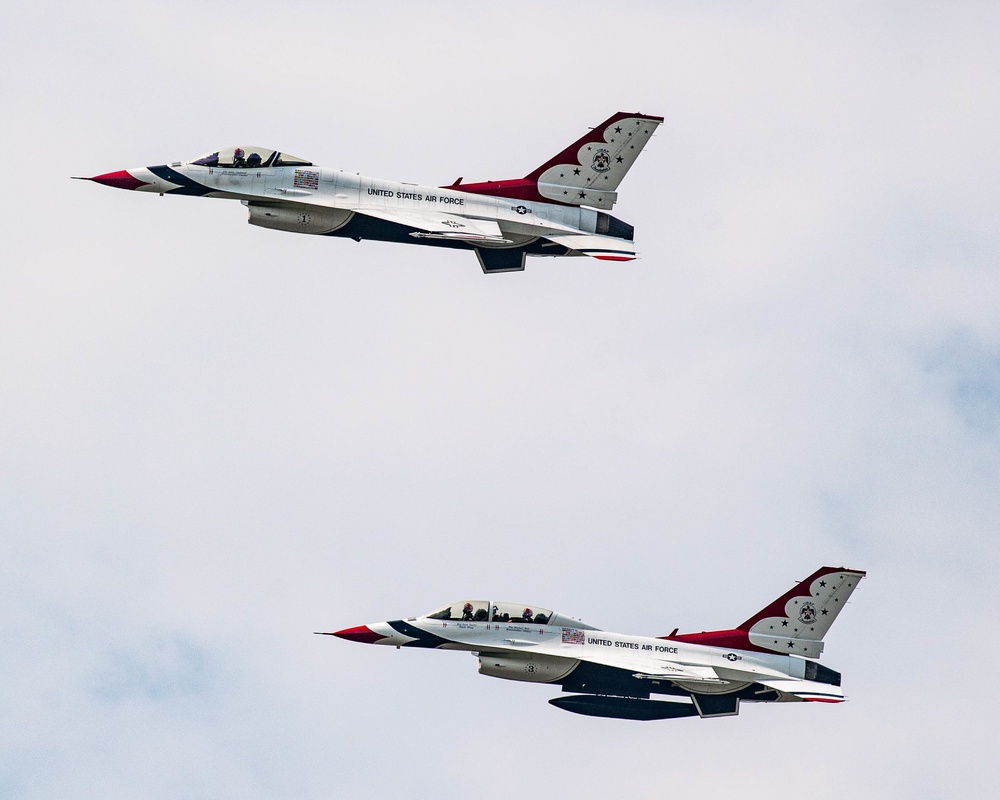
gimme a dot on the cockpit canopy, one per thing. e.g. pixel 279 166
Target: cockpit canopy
pixel 510 613
pixel 484 611
pixel 247 157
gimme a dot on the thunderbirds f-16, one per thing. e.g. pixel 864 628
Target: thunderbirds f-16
pixel 768 658
pixel 558 209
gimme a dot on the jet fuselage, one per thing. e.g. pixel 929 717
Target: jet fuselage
pixel 558 209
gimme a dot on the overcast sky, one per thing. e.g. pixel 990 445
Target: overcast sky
pixel 216 439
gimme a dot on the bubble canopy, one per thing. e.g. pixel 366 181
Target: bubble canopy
pixel 249 157
pixel 496 611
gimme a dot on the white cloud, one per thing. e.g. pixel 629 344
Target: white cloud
pixel 217 439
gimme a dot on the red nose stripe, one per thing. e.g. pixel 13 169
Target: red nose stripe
pixel 120 180
pixel 361 633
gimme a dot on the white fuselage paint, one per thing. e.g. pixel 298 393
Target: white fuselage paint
pixel 697 668
pixel 355 192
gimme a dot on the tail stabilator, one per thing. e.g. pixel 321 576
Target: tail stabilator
pixel 587 173
pixel 795 623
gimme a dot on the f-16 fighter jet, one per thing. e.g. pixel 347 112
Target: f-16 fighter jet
pixel 768 658
pixel 558 209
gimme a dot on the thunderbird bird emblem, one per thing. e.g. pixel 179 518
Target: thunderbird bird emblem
pixel 602 161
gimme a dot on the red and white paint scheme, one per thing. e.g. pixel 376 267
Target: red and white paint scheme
pixel 768 658
pixel 558 209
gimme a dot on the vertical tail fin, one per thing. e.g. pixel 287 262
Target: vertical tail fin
pixel 587 173
pixel 796 622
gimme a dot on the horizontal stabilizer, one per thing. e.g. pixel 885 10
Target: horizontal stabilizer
pixel 805 690
pixel 605 248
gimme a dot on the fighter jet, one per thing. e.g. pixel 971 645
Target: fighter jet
pixel 558 209
pixel 769 658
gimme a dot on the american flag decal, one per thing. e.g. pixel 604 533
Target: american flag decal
pixel 306 179
pixel 573 636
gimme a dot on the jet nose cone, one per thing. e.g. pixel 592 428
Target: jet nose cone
pixel 362 633
pixel 119 180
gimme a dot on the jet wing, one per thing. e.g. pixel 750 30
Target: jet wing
pixel 440 225
pixel 644 668
pixel 606 248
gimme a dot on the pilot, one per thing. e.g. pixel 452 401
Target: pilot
pixel 467 612
pixel 238 160
pixel 253 160
pixel 527 615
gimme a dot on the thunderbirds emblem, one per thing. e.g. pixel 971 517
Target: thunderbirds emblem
pixel 602 161
pixel 807 613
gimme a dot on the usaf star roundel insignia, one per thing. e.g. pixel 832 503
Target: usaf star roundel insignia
pixel 602 161
pixel 807 613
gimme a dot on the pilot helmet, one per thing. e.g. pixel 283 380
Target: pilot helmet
pixel 527 612
pixel 467 607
